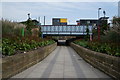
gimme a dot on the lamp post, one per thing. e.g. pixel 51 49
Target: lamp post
pixel 28 16
pixel 98 23
pixel 104 13
pixel 99 12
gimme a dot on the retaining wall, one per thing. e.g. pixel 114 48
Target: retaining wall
pixel 14 64
pixel 106 63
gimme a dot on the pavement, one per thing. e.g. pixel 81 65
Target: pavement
pixel 63 62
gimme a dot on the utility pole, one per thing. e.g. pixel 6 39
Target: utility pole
pixel 98 23
pixel 99 12
pixel 39 19
pixel 44 20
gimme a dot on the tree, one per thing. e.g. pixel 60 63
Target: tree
pixel 116 25
pixel 113 34
pixel 30 24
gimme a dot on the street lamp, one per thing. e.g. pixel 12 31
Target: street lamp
pixel 99 12
pixel 99 23
pixel 28 16
pixel 104 13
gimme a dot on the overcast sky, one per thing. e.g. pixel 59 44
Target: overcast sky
pixel 17 11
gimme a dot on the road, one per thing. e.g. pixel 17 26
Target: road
pixel 63 62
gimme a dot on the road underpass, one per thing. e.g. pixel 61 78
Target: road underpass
pixel 63 62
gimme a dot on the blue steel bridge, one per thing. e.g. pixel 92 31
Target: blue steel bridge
pixel 68 30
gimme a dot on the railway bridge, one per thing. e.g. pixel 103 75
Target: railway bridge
pixel 67 30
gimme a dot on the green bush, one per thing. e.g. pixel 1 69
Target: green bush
pixel 24 47
pixel 13 40
pixel 81 43
pixel 7 48
pixel 108 48
pixel 10 46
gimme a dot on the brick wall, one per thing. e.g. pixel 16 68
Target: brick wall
pixel 14 64
pixel 106 63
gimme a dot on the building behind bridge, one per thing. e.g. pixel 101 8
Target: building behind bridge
pixel 59 21
pixel 90 22
pixel 93 22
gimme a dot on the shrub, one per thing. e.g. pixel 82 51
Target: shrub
pixel 13 40
pixel 111 36
pixel 11 28
pixel 108 48
pixel 12 45
pixel 7 48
